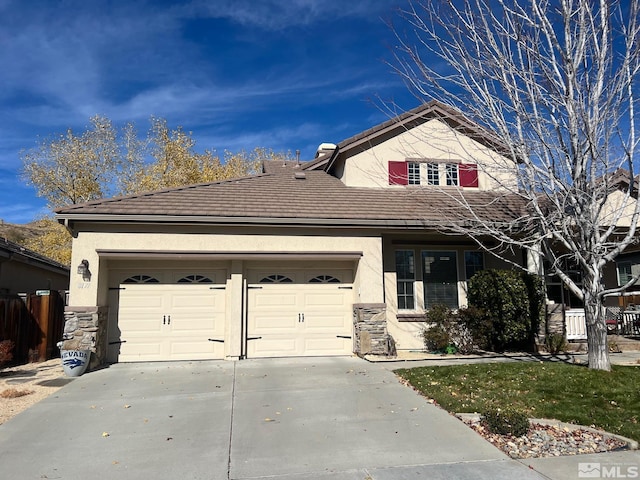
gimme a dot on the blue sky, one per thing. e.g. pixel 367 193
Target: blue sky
pixel 237 73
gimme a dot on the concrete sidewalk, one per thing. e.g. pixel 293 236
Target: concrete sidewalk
pixel 324 418
pixel 410 359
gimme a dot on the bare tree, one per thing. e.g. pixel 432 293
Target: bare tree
pixel 556 80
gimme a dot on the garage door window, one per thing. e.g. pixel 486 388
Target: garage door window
pixel 195 279
pixel 276 279
pixel 141 279
pixel 324 279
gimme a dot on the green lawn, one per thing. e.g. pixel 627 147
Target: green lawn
pixel 570 393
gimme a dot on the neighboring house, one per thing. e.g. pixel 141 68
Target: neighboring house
pixel 324 257
pixel 25 271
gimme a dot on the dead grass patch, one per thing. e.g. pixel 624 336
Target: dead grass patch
pixel 14 393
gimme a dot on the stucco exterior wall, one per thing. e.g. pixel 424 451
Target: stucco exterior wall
pixel 368 275
pixel 432 140
pixel 19 277
pixel 619 209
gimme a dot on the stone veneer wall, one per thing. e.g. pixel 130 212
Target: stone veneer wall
pixel 371 336
pixel 554 321
pixel 86 329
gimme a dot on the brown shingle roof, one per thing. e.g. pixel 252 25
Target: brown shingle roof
pixel 318 198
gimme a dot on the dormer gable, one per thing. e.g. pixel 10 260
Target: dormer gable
pixel 431 145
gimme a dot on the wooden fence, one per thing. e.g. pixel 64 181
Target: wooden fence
pixel 35 325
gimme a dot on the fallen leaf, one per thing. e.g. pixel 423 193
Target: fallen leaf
pixel 127 406
pixel 269 419
pixel 105 434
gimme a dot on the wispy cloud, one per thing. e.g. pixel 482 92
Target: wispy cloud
pixel 239 73
pixel 278 15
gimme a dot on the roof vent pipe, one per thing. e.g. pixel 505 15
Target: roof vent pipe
pixel 298 157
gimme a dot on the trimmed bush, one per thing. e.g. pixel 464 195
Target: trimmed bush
pixel 436 338
pixel 511 302
pixel 436 334
pixel 444 332
pixel 555 343
pixel 506 422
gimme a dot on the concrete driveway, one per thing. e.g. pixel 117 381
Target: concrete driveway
pixel 333 418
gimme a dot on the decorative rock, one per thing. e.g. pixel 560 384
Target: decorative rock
pixel 549 441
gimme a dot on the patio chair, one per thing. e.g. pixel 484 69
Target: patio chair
pixel 614 320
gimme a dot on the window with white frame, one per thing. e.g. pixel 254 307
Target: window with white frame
pixel 451 174
pixel 419 171
pixel 405 279
pixel 414 173
pixel 433 174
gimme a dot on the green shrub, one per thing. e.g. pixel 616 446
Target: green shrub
pixel 506 422
pixel 512 305
pixel 478 328
pixel 440 325
pixel 436 338
pixel 555 343
pixel 444 332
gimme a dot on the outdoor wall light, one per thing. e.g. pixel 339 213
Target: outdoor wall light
pixel 83 269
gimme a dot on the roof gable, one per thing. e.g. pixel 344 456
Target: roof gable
pixel 404 122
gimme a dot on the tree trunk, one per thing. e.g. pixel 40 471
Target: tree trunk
pixel 598 348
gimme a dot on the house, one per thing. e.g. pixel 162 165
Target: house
pixel 339 254
pixel 25 271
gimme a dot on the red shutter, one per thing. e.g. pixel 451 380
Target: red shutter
pixel 398 173
pixel 468 175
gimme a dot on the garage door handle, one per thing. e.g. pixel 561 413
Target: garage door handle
pixel 300 317
pixel 254 338
pixel 168 319
pixel 164 319
pixel 343 336
pixel 215 340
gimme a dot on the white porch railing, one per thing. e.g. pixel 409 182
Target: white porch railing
pixel 575 324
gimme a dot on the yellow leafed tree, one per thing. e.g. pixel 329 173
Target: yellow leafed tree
pixel 54 243
pixel 99 162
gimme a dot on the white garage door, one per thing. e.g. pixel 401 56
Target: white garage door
pixel 174 321
pixel 299 314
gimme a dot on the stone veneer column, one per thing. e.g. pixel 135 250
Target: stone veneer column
pixel 370 329
pixel 553 322
pixel 85 328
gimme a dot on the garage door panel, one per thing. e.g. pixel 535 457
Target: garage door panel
pixel 193 313
pixel 326 323
pixel 325 299
pixel 299 319
pixel 280 323
pixel 318 346
pixel 196 350
pixel 140 327
pixel 274 299
pixel 274 346
pixel 140 350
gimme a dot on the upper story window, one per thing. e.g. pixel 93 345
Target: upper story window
pixel 452 174
pixel 413 173
pixel 433 173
